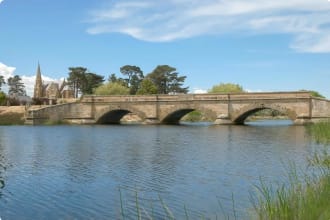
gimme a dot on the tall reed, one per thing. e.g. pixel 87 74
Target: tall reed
pixel 303 198
pixel 320 132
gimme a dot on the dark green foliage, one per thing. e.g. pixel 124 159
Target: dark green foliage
pixel 167 80
pixel 16 87
pixel 134 77
pixel 3 98
pixel 91 82
pixel 76 78
pixel 2 81
pixel 83 82
pixel 114 79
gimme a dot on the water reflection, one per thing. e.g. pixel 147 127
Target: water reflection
pixel 75 172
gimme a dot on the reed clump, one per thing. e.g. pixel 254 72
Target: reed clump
pixel 306 197
pixel 320 132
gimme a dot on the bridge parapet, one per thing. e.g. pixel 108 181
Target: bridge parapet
pixel 153 98
pixel 270 95
pixel 195 97
pixel 233 108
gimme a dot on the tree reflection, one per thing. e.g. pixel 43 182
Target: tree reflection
pixel 2 171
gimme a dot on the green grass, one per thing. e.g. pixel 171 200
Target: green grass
pixel 303 198
pixel 320 132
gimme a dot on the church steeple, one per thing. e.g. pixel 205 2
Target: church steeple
pixel 38 88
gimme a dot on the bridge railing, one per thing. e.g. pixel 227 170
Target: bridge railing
pixel 197 97
pixel 270 96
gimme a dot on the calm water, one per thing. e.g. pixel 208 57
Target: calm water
pixel 75 172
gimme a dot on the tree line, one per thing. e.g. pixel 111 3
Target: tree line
pixel 164 79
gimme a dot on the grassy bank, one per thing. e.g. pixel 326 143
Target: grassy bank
pixel 13 115
pixel 303 198
pixel 12 119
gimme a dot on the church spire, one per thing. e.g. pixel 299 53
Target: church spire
pixel 38 84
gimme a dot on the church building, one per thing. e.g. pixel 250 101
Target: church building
pixel 51 91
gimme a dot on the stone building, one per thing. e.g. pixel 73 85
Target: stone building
pixel 51 91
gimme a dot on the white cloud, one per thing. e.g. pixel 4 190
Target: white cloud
pixel 253 90
pixel 28 80
pixel 1 1
pixel 199 91
pixel 6 71
pixel 157 20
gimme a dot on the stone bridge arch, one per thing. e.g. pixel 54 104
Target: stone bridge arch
pixel 113 114
pixel 240 115
pixel 174 114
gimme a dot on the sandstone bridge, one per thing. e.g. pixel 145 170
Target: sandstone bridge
pixel 300 107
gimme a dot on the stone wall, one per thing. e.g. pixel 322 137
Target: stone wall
pixel 320 108
pixel 221 108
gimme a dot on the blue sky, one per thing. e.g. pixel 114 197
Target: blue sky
pixel 262 45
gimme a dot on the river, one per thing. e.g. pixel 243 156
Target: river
pixel 75 172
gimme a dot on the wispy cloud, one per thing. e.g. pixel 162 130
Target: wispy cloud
pixel 156 20
pixel 1 1
pixel 28 80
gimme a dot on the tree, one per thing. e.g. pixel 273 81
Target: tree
pixel 114 79
pixel 167 80
pixel 135 76
pixel 111 89
pixel 2 81
pixel 76 79
pixel 83 82
pixel 91 81
pixel 16 87
pixel 175 83
pixel 226 88
pixel 147 88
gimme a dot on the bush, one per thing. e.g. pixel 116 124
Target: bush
pixel 226 88
pixel 111 89
pixel 3 98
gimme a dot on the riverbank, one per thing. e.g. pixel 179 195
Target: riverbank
pixel 12 115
